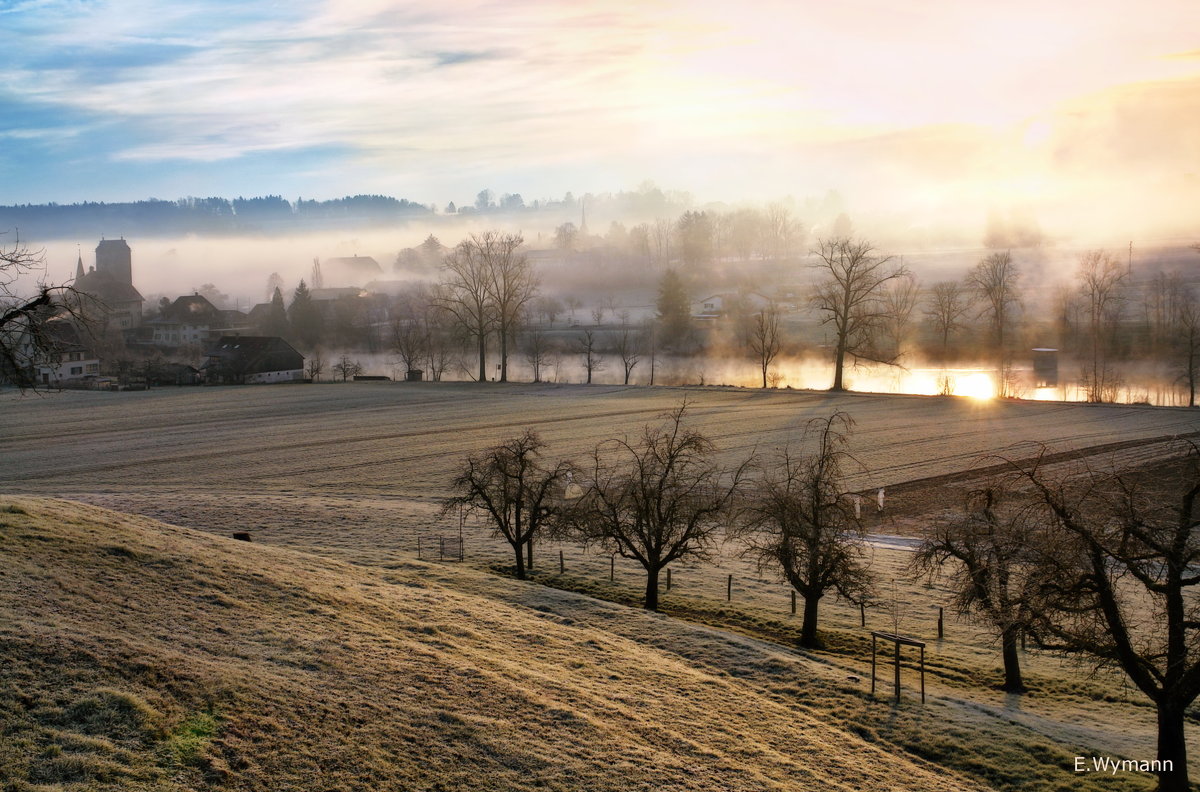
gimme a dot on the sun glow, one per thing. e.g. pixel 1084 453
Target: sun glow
pixel 976 385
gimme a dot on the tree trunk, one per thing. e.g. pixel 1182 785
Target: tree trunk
pixel 483 358
pixel 529 551
pixel 504 356
pixel 651 601
pixel 764 370
pixel 520 562
pixel 1012 661
pixel 808 628
pixel 838 364
pixel 1171 747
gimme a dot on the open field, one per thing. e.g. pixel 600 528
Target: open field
pixel 353 472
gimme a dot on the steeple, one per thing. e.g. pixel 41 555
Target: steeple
pixel 79 267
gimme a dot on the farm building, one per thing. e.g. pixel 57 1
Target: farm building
pixel 237 360
pixel 719 306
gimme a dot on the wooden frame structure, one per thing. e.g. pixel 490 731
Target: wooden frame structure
pixel 898 641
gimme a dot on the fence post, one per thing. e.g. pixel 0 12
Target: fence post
pixel 862 613
pixel 668 578
pixel 729 589
pixel 561 568
pixel 941 613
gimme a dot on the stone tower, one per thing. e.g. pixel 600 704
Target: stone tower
pixel 113 258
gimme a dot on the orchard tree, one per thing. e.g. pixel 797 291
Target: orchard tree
pixel 1121 569
pixel 797 521
pixel 657 499
pixel 994 572
pixel 510 485
pixel 465 295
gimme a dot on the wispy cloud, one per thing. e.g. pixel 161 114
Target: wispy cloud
pixel 730 99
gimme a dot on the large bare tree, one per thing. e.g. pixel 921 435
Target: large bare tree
pixel 852 278
pixel 1122 567
pixel 657 499
pixel 799 522
pixel 511 486
pixel 994 282
pixel 511 285
pixel 994 571
pixel 945 307
pixel 1101 278
pixel 466 295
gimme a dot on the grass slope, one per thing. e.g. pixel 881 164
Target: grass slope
pixel 138 655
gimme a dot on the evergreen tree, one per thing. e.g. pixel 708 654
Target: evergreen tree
pixel 276 323
pixel 674 308
pixel 305 317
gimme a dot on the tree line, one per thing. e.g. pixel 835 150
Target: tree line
pixel 1100 565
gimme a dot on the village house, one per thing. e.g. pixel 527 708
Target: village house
pixel 244 360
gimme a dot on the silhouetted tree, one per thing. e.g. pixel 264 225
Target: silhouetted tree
pixel 1121 560
pixel 1100 284
pixel 674 308
pixel 945 307
pixel 509 484
pixel 849 295
pixel 592 361
pixel 994 281
pixel 797 521
pixel 276 322
pixel 765 340
pixel 995 575
pixel 657 499
pixel 304 317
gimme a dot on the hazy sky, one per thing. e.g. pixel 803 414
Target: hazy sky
pixel 1083 111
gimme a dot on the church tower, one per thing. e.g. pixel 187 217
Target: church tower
pixel 115 260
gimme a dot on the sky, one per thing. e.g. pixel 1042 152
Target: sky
pixel 1077 113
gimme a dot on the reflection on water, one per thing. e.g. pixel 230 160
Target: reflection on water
pixel 975 382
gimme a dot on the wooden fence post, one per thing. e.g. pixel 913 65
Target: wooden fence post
pixel 862 613
pixel 561 568
pixel 668 578
pixel 941 613
pixel 729 589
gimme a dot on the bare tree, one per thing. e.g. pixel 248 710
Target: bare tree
pixel 347 369
pixel 511 285
pixel 782 232
pixel 35 327
pixel 899 300
pixel 945 307
pixel 1100 280
pixel 628 350
pixel 994 282
pixel 510 485
pixel 1121 560
pixel 1188 342
pixel 852 277
pixel 764 339
pixel 798 522
pixel 537 352
pixel 314 366
pixel 466 295
pixel 995 577
pixel 656 500
pixel 591 353
pixel 409 337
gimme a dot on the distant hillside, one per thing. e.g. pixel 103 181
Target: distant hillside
pixel 137 655
pixel 152 217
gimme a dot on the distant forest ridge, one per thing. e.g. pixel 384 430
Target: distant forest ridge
pixel 155 217
pixel 274 214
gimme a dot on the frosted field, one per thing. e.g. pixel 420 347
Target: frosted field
pixel 403 440
pixel 356 471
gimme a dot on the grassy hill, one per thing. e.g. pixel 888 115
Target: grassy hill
pixel 139 655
